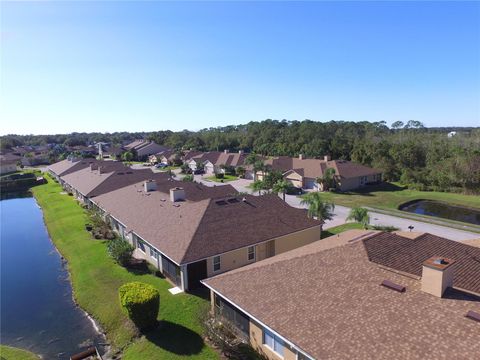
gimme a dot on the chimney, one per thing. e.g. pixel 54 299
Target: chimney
pixel 327 158
pixel 225 151
pixel 437 275
pixel 177 194
pixel 300 156
pixel 150 185
pixel 93 167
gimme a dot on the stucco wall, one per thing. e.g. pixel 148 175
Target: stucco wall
pixel 295 179
pixel 354 183
pixel 256 340
pixel 237 258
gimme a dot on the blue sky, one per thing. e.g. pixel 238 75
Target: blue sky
pixel 142 66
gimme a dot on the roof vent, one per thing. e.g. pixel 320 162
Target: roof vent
pixel 473 315
pixel 391 285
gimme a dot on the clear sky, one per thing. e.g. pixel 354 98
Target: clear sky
pixel 142 66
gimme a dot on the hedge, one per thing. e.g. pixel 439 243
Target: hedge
pixel 141 302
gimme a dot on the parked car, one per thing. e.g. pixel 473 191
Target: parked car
pixel 161 166
pixel 199 172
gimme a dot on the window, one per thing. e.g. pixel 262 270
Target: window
pixel 273 342
pixel 251 253
pixel 216 263
pixel 233 315
pixel 141 245
pixel 153 253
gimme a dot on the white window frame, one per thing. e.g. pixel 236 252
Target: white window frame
pixel 215 263
pixel 153 253
pixel 250 253
pixel 141 242
pixel 276 342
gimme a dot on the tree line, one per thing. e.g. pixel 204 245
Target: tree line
pixel 423 158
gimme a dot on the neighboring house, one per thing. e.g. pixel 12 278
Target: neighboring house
pixel 303 173
pixel 191 231
pixel 325 301
pixel 8 163
pixel 144 148
pixel 215 162
pixel 167 157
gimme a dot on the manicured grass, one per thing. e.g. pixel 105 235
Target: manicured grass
pixel 341 228
pixel 11 353
pixel 96 279
pixel 226 178
pixel 391 196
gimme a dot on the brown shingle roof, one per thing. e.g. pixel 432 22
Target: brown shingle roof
pixel 407 255
pixel 200 227
pixel 67 166
pixel 330 304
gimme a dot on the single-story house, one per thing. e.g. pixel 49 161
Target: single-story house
pixel 374 295
pixel 144 148
pixel 167 157
pixel 191 231
pixel 303 173
pixel 215 162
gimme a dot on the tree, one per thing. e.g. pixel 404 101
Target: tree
pixel 397 125
pixel 188 178
pixel 327 180
pixel 251 158
pixel 185 168
pixel 127 156
pixel 141 302
pixel 281 186
pixel 241 171
pixel 272 178
pixel 259 166
pixel 359 215
pixel 120 250
pixel 317 207
pixel 258 185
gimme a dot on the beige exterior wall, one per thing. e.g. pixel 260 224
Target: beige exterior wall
pixel 435 281
pixel 237 258
pixel 355 183
pixel 256 340
pixel 295 179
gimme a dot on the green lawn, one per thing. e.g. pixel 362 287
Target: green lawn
pixel 96 279
pixel 11 353
pixel 341 228
pixel 226 178
pixel 390 196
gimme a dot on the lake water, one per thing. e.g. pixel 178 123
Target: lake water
pixel 443 210
pixel 37 309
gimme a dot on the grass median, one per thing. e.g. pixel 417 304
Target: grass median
pixel 96 278
pixel 11 353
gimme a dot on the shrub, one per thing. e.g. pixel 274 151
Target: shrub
pixel 386 228
pixel 188 178
pixel 120 250
pixel 140 301
pixel 220 175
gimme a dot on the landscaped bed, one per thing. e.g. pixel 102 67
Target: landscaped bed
pixel 225 178
pixel 96 279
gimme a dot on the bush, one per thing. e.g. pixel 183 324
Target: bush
pixel 386 228
pixel 121 251
pixel 220 175
pixel 140 301
pixel 188 178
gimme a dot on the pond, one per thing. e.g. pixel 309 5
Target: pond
pixel 37 309
pixel 443 210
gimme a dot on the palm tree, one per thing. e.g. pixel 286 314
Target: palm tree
pixel 259 166
pixel 317 207
pixel 281 186
pixel 251 159
pixel 359 215
pixel 327 181
pixel 258 185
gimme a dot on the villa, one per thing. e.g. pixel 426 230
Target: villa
pixel 359 295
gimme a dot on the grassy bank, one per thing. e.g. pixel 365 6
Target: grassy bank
pixel 341 228
pixel 11 353
pixel 391 196
pixel 226 178
pixel 96 279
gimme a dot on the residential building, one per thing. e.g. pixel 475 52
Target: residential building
pixel 216 162
pixel 144 148
pixel 8 162
pixel 358 295
pixel 303 173
pixel 191 231
pixel 167 157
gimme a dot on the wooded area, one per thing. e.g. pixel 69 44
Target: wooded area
pixel 423 158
